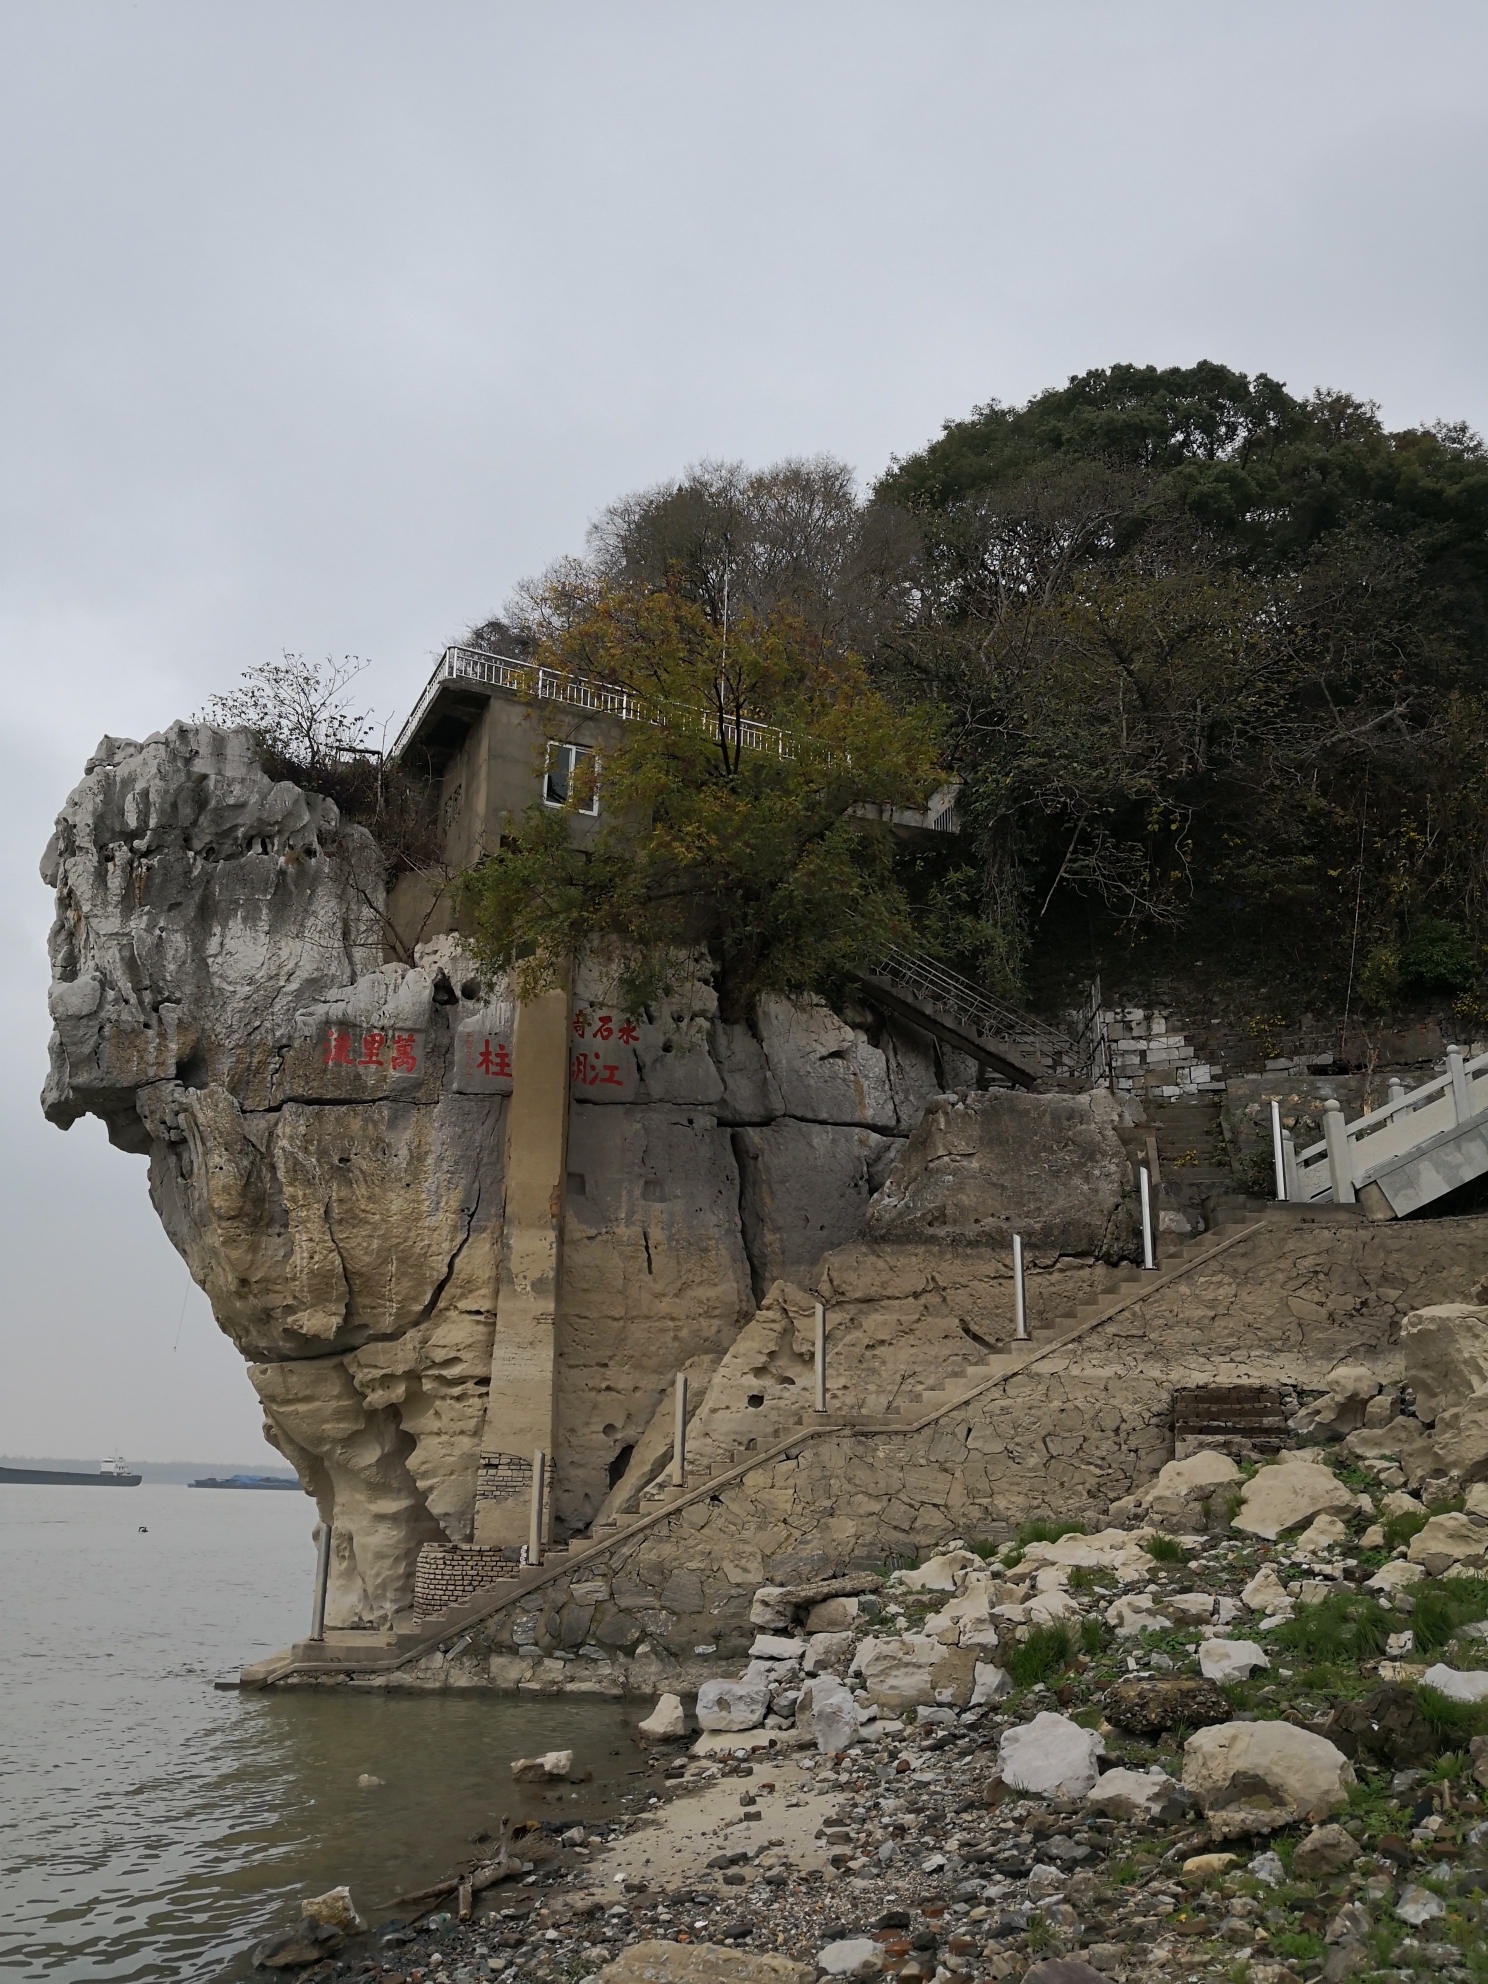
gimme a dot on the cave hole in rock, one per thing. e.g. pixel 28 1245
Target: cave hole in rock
pixel 619 1464
pixel 755 1399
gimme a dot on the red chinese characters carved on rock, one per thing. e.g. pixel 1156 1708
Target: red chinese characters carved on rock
pixel 494 1057
pixel 605 1026
pixel 369 1048
pixel 592 1070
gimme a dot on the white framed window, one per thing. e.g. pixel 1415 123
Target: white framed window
pixel 561 771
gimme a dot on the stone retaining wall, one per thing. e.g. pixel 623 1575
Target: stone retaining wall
pixel 1066 1438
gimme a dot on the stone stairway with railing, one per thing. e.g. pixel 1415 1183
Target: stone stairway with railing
pixel 958 1381
pixel 1422 1144
pixel 369 1653
pixel 1011 1045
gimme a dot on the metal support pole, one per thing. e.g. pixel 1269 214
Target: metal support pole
pixel 1144 1185
pixel 1020 1297
pixel 679 1434
pixel 322 1582
pixel 821 1357
pixel 1278 1156
pixel 535 1519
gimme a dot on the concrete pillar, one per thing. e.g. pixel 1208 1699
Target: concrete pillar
pixel 1340 1154
pixel 520 1417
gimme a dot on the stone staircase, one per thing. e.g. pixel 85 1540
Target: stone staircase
pixel 1118 1285
pixel 961 1381
pixel 1125 1286
pixel 1002 1041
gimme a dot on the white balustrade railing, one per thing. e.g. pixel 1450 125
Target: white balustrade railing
pixel 1351 1153
pixel 526 678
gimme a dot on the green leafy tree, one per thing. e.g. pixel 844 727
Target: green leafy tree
pixel 1214 662
pixel 744 806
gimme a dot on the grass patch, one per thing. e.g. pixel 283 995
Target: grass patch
pixel 1092 1638
pixel 1453 1723
pixel 1047 1532
pixel 1347 1626
pixel 1400 1529
pixel 1165 1550
pixel 1038 1933
pixel 1300 1945
pixel 1440 1605
pixel 1047 1650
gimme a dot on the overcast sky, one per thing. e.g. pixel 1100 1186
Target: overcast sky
pixel 322 324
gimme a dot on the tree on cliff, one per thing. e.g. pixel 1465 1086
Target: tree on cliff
pixel 731 804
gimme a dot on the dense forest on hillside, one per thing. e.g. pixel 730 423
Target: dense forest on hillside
pixel 1210 662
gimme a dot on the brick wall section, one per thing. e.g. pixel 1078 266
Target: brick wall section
pixel 449 1573
pixel 1064 1439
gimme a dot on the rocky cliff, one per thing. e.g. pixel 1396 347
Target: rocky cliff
pixel 326 1150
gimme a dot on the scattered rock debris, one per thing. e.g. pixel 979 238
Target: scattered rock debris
pixel 1116 1806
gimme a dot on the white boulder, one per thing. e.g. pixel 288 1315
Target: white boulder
pixel 733 1704
pixel 898 1672
pixel 1446 1355
pixel 1470 1685
pixel 666 1722
pixel 1137 1614
pixel 1230 1660
pixel 1266 1592
pixel 1448 1540
pixel 1255 1776
pixel 1051 1756
pixel 776 1646
pixel 938 1573
pixel 1395 1576
pixel 992 1683
pixel 1418 1905
pixel 854 1956
pixel 827 1714
pixel 1291 1492
pixel 1323 1534
pixel 333 1910
pixel 552 1767
pixel 1131 1794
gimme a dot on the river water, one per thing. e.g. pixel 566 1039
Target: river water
pixel 152 1828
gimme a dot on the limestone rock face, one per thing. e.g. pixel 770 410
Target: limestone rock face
pixel 1446 1355
pixel 329 1163
pixel 984 1165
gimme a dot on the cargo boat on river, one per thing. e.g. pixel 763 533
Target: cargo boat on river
pixel 112 1473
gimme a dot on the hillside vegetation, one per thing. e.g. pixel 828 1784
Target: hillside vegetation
pixel 1209 661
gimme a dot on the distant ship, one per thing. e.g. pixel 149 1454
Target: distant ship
pixel 112 1473
pixel 247 1481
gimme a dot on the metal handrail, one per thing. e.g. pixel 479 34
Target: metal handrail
pixel 976 1010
